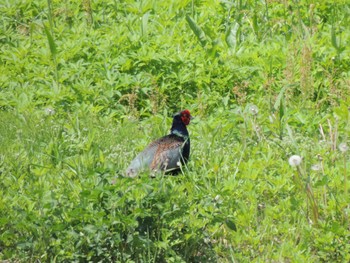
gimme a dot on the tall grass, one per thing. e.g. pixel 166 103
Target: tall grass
pixel 92 83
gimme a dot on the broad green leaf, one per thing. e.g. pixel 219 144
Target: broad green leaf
pixel 255 24
pixel 200 34
pixel 144 26
pixel 231 35
pixel 230 224
pixel 279 98
pixel 334 38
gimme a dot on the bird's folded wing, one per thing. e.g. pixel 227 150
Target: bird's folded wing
pixel 162 154
pixel 167 155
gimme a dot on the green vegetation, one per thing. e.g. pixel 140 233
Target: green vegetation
pixel 85 85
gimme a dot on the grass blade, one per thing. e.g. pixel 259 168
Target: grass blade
pixel 51 41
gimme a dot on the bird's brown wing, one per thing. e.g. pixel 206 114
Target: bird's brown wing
pixel 168 153
pixel 162 154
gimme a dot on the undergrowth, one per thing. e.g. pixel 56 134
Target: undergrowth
pixel 85 86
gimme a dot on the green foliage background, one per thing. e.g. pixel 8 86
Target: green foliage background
pixel 85 85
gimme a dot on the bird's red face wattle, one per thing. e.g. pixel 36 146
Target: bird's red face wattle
pixel 186 117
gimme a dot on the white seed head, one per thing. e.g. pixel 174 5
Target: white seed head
pixel 178 164
pixel 294 160
pixel 206 240
pixel 50 111
pixel 316 167
pixel 217 198
pixel 238 111
pixel 254 110
pixel 343 147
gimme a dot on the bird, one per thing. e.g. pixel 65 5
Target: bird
pixel 167 153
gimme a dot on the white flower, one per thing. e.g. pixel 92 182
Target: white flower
pixel 294 160
pixel 343 147
pixel 254 110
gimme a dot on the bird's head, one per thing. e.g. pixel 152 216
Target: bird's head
pixel 185 116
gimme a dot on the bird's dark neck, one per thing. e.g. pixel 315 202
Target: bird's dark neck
pixel 178 128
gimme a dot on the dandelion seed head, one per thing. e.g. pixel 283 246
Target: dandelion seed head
pixel 294 160
pixel 206 240
pixel 343 147
pixel 254 110
pixel 238 111
pixel 217 198
pixel 49 111
pixel 316 167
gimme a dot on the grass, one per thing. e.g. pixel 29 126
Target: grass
pixel 86 85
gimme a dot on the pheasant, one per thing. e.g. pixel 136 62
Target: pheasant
pixel 167 153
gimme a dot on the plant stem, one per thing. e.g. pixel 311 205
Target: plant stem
pixel 345 187
pixel 313 203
